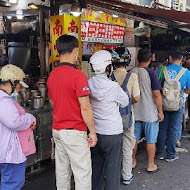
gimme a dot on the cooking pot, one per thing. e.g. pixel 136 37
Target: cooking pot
pixel 37 102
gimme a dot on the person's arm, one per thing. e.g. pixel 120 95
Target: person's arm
pixel 135 89
pixel 10 117
pixel 82 92
pixel 136 99
pixel 156 87
pixel 158 101
pixel 87 115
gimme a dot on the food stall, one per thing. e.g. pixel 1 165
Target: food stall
pixel 95 30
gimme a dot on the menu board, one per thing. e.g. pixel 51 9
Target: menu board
pixel 101 33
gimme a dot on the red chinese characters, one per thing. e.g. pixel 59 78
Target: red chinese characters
pixel 73 28
pixel 54 47
pixel 103 33
pixel 58 29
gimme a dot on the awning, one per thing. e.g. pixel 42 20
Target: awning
pixel 171 17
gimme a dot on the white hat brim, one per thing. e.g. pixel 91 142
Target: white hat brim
pixel 24 84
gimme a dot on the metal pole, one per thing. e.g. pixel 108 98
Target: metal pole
pixel 42 43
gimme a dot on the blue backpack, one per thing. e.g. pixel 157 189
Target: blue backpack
pixel 126 113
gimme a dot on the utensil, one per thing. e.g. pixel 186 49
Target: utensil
pixel 37 102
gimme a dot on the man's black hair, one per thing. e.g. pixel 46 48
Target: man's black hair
pixel 66 44
pixel 144 55
pixel 176 54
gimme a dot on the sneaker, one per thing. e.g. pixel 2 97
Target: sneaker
pixel 159 157
pixel 172 159
pixel 128 181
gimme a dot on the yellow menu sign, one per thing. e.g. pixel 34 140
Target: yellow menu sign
pixel 64 24
pixel 100 17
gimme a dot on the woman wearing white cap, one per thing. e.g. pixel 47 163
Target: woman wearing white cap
pixel 106 97
pixel 13 120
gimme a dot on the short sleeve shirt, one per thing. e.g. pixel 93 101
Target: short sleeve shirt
pixel 132 85
pixel 173 71
pixel 145 109
pixel 65 85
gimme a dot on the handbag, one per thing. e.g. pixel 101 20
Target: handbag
pixel 26 137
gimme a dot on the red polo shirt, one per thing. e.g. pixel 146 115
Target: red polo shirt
pixel 65 85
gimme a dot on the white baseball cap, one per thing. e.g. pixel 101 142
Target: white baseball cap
pixel 100 60
pixel 12 73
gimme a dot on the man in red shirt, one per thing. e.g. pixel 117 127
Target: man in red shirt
pixel 72 114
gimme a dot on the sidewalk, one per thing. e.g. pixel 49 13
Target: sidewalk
pixel 172 176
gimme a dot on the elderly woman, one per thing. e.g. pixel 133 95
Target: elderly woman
pixel 13 120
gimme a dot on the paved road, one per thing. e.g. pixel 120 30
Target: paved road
pixel 172 176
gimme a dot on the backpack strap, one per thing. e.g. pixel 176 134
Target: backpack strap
pixel 182 71
pixel 113 77
pixel 125 82
pixel 166 74
pixel 161 73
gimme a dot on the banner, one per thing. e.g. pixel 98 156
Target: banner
pixel 64 24
pixel 101 33
pixel 101 17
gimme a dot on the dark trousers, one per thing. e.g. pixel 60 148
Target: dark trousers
pixel 106 162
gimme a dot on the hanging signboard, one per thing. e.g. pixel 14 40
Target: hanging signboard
pixel 101 33
pixel 64 24
pixel 101 17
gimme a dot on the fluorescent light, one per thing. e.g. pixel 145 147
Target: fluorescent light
pixel 115 16
pixel 20 17
pixel 76 14
pixel 13 1
pixel 33 6
pixel 9 17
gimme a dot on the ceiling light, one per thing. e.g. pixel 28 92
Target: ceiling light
pixel 115 16
pixel 33 6
pixel 20 17
pixel 9 17
pixel 76 9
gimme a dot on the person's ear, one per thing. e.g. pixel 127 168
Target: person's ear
pixel 170 59
pixel 75 51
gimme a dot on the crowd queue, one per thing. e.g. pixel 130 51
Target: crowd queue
pixel 97 123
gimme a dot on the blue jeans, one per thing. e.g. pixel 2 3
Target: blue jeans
pixel 180 128
pixel 12 176
pixel 169 127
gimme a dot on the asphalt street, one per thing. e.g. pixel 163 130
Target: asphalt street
pixel 172 176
